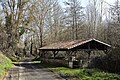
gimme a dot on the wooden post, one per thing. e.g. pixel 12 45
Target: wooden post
pixel 31 49
pixel 70 62
pixel 69 54
pixel 89 51
pixel 105 51
pixel 55 53
pixel 42 54
pixel 40 51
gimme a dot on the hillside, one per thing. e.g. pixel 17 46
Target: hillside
pixel 5 65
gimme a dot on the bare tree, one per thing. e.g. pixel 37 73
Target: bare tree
pixel 74 15
pixel 39 11
pixel 114 23
pixel 14 14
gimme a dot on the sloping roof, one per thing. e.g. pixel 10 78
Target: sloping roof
pixel 71 44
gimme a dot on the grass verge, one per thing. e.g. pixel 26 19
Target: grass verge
pixel 5 65
pixel 85 74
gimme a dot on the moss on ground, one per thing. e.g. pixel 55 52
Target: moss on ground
pixel 5 65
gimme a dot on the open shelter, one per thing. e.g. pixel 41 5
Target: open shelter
pixel 72 46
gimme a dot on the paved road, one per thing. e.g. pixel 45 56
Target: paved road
pixel 31 71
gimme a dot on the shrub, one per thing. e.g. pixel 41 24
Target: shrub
pixel 106 63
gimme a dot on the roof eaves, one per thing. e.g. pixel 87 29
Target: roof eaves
pixel 102 42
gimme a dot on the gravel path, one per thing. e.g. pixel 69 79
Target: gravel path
pixel 31 71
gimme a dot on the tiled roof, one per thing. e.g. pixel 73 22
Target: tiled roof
pixel 71 44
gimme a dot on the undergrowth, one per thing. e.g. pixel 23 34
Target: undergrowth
pixel 5 65
pixel 85 74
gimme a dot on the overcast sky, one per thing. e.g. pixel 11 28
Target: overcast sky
pixel 85 2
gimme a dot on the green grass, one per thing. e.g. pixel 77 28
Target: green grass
pixel 5 65
pixel 85 74
pixel 37 61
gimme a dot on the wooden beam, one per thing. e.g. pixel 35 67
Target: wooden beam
pixel 69 54
pixel 55 53
pixel 105 51
pixel 88 51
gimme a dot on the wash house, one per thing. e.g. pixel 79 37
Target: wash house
pixel 70 48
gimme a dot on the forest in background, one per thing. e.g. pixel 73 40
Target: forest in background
pixel 26 24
